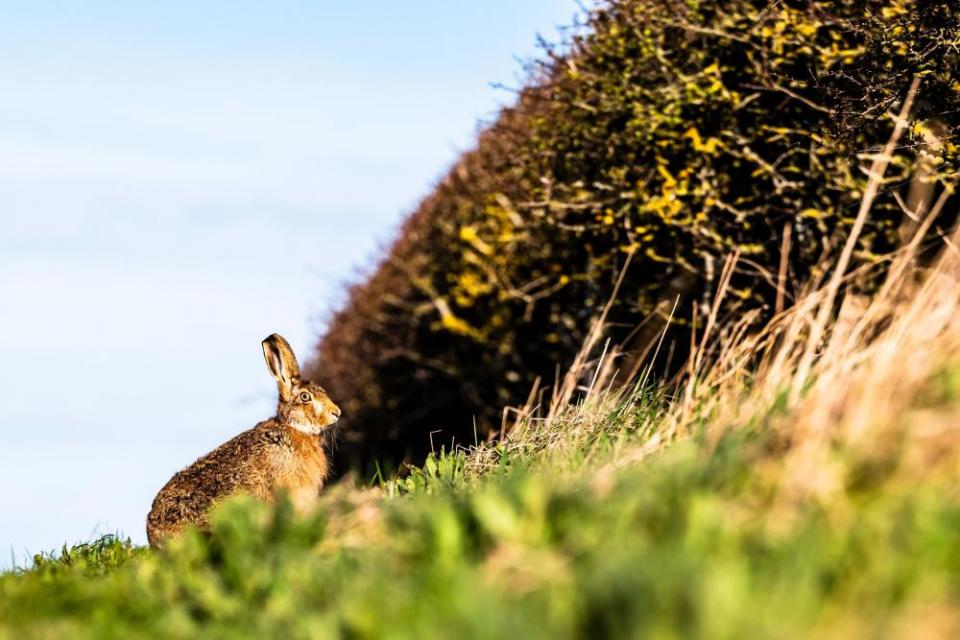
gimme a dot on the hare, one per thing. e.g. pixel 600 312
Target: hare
pixel 284 453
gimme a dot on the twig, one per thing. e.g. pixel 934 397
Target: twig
pixel 877 171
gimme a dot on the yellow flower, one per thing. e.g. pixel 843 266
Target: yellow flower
pixel 708 147
pixel 469 234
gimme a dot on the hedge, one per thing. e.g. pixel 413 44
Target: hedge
pixel 664 132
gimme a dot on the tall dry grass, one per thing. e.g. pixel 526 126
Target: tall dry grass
pixel 836 371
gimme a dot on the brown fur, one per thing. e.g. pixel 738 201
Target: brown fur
pixel 284 453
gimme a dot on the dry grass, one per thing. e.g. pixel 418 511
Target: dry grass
pixel 844 370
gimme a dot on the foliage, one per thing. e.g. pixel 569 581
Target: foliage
pixel 666 135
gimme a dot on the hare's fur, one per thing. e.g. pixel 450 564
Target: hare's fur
pixel 282 454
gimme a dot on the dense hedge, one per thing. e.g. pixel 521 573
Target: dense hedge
pixel 668 131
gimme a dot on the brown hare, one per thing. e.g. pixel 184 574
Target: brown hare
pixel 284 453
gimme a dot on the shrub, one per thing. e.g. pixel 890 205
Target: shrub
pixel 665 134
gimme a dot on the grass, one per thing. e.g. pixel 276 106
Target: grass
pixel 694 542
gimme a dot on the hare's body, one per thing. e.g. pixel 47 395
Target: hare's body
pixel 282 454
pixel 262 462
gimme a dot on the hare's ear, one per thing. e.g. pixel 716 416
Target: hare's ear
pixel 282 363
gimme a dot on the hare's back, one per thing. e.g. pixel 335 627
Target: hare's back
pixel 249 463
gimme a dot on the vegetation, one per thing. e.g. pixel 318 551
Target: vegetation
pixel 663 135
pixel 797 477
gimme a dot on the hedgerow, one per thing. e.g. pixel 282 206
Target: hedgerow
pixel 661 137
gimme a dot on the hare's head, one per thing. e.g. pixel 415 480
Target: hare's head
pixel 303 405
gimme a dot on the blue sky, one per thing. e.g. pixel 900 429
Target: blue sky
pixel 177 181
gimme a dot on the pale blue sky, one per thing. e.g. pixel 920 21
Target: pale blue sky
pixel 177 181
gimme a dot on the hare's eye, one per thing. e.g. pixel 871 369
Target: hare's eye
pixel 305 397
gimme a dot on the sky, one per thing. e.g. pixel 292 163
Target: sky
pixel 178 180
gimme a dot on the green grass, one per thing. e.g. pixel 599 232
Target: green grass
pixel 695 542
